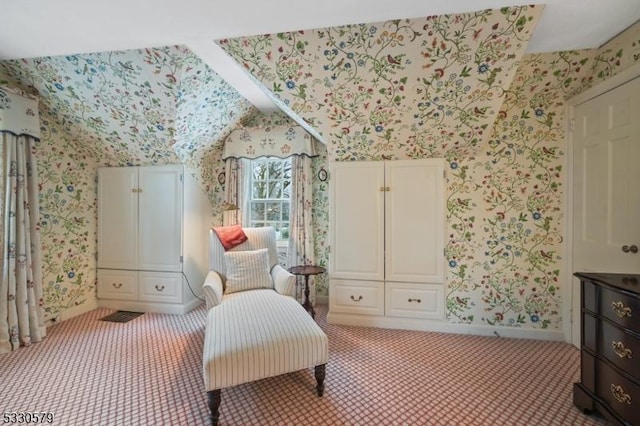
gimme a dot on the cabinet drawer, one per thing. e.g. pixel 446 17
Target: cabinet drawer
pixel 160 287
pixel 114 284
pixel 621 394
pixel 621 308
pixel 621 348
pixel 414 300
pixel 356 297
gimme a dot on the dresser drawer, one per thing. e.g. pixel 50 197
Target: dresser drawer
pixel 115 284
pixel 356 297
pixel 621 394
pixel 621 348
pixel 414 300
pixel 160 287
pixel 621 308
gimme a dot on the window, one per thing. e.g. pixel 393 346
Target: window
pixel 271 194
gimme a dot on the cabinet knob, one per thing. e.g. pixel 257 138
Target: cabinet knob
pixel 630 249
pixel 382 189
pixel 619 394
pixel 415 300
pixel 116 285
pixel 621 310
pixel 356 300
pixel 159 287
pixel 620 350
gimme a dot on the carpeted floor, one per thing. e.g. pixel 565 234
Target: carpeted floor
pixel 148 372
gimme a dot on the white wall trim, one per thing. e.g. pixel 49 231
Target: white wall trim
pixel 597 90
pixel 444 327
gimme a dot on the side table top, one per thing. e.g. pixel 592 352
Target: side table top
pixel 306 270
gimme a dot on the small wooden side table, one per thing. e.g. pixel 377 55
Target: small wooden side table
pixel 306 271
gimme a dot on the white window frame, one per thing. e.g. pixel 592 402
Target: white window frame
pixel 270 182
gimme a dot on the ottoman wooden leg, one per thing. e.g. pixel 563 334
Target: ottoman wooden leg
pixel 320 374
pixel 214 405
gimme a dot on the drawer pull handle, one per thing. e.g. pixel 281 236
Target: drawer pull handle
pixel 620 395
pixel 356 300
pixel 159 287
pixel 415 300
pixel 621 310
pixel 118 285
pixel 620 350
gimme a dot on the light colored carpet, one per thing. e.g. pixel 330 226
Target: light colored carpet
pixel 149 372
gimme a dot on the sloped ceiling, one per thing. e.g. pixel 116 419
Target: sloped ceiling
pixel 136 107
pixel 413 88
pixel 394 89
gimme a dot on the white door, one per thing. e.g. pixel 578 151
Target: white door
pixel 357 221
pixel 117 218
pixel 606 176
pixel 415 221
pixel 160 220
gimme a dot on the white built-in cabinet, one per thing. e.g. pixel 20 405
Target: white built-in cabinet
pixel 152 239
pixel 387 228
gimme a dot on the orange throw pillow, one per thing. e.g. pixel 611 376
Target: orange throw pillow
pixel 230 236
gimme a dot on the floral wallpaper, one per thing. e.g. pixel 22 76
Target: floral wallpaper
pixel 457 87
pixel 138 107
pixel 397 89
pixel 453 86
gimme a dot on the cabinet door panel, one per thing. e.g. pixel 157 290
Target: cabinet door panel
pixel 357 221
pixel 160 230
pixel 117 218
pixel 415 221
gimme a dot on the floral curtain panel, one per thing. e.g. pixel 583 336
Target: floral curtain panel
pixel 21 302
pixel 301 237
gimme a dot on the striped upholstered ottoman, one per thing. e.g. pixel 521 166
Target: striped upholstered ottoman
pixel 256 334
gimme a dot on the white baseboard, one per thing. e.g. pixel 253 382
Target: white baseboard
pixel 443 327
pixel 158 308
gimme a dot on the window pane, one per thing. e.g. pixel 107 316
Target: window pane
pixel 257 211
pixel 275 170
pixel 275 190
pixel 273 211
pixel 259 191
pixel 285 212
pixel 287 169
pixel 286 190
pixel 259 170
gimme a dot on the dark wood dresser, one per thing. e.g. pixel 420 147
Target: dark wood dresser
pixel 610 353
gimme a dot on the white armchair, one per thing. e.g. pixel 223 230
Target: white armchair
pixel 255 328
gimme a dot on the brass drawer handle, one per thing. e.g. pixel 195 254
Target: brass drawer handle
pixel 415 300
pixel 159 287
pixel 620 395
pixel 620 350
pixel 621 310
pixel 118 285
pixel 356 300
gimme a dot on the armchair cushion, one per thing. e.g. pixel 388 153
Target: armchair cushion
pixel 247 270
